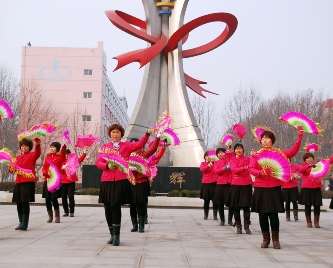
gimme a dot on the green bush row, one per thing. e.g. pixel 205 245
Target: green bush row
pixel 184 193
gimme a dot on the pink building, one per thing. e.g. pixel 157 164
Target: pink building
pixel 76 81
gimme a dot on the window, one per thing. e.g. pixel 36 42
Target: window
pixel 87 72
pixel 87 95
pixel 86 118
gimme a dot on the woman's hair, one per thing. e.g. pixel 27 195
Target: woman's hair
pixel 68 151
pixel 206 154
pixel 307 155
pixel 269 134
pixel 134 140
pixel 56 144
pixel 26 142
pixel 238 144
pixel 118 127
pixel 220 150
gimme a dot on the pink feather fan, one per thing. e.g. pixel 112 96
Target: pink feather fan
pixel 65 136
pixel 311 148
pixel 72 164
pixel 86 141
pixel 240 130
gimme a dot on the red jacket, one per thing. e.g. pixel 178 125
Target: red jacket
pixel 208 175
pixel 268 181
pixel 125 150
pixel 240 176
pixel 139 177
pixel 73 178
pixel 158 156
pixel 222 173
pixel 56 158
pixel 28 161
pixel 304 171
pixel 293 182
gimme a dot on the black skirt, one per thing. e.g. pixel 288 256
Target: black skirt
pixel 267 200
pixel 207 191
pixel 140 192
pixel 311 197
pixel 331 205
pixel 115 191
pixel 24 192
pixel 290 194
pixel 221 194
pixel 47 194
pixel 240 196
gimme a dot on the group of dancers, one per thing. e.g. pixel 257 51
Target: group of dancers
pixel 229 180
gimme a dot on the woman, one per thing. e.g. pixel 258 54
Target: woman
pixel 52 198
pixel 223 173
pixel 290 193
pixel 68 185
pixel 310 191
pixel 267 196
pixel 240 195
pixel 24 189
pixel 115 188
pixel 141 189
pixel 208 185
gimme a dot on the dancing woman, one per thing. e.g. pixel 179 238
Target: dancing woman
pixel 208 185
pixel 267 196
pixel 24 189
pixel 115 188
pixel 240 195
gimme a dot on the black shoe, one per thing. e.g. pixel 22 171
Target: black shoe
pixel 230 223
pixel 222 223
pixel 20 220
pixel 111 239
pixel 24 225
pixel 141 224
pixel 71 214
pixel 146 219
pixel 135 224
pixel 116 233
pixel 65 214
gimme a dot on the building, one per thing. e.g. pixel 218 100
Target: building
pixel 75 81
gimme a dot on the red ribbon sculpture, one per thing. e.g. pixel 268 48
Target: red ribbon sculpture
pixel 125 21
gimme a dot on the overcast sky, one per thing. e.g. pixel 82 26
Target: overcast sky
pixel 279 45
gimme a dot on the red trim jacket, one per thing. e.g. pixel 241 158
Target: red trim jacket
pixel 221 171
pixel 56 158
pixel 73 178
pixel 304 170
pixel 28 161
pixel 240 175
pixel 293 182
pixel 208 175
pixel 125 150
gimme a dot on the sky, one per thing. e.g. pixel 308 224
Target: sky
pixel 279 45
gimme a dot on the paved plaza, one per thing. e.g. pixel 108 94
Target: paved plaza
pixel 173 238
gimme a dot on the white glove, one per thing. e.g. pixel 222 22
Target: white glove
pixel 85 151
pixel 64 167
pixel 132 168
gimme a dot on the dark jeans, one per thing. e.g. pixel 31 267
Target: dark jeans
pixel 68 189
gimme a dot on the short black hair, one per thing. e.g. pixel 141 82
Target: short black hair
pixel 26 142
pixel 220 150
pixel 269 134
pixel 56 144
pixel 68 151
pixel 238 144
pixel 134 140
pixel 308 155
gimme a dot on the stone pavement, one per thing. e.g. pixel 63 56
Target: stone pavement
pixel 173 238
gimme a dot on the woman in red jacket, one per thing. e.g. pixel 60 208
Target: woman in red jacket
pixel 52 198
pixel 115 188
pixel 267 195
pixel 310 191
pixel 24 189
pixel 290 193
pixel 68 185
pixel 223 173
pixel 141 189
pixel 208 185
pixel 240 195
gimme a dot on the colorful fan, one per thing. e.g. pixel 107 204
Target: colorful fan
pixel 257 131
pixel 297 119
pixel 164 122
pixel 240 130
pixel 153 173
pixel 160 144
pixel 139 162
pixel 212 155
pixel 37 131
pixel 171 137
pixel 7 158
pixel 311 148
pixel 54 181
pixel 294 171
pixel 227 140
pixel 86 141
pixel 274 160
pixel 65 136
pixel 131 177
pixel 5 110
pixel 72 164
pixel 116 160
pixel 320 171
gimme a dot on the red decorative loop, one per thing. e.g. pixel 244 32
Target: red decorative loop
pixel 123 21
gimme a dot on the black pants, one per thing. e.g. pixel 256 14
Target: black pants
pixel 246 214
pixel 23 208
pixel 265 218
pixel 49 202
pixel 139 208
pixel 112 213
pixel 295 205
pixel 68 190
pixel 316 210
pixel 206 205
